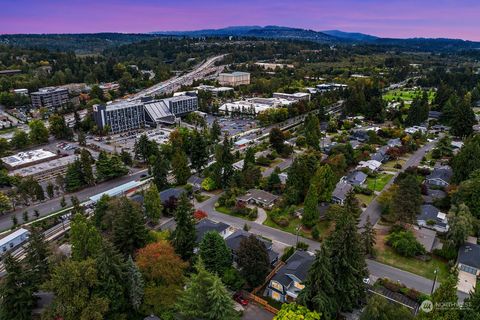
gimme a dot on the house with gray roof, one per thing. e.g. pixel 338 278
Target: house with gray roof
pixel 394 143
pixel 430 217
pixel 433 194
pixel 207 225
pixel 468 264
pixel 233 243
pixel 381 154
pixel 340 193
pixel 171 193
pixel 356 178
pixel 287 283
pixel 258 197
pixel 440 177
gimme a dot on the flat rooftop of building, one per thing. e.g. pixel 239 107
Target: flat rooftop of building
pixel 117 190
pixel 44 166
pixel 235 73
pixel 120 104
pixel 24 158
pixel 49 90
pixel 12 236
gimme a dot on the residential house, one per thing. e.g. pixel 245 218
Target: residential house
pixel 196 182
pixel 415 129
pixel 431 218
pixel 356 178
pixel 258 197
pixel 439 177
pixel 360 135
pixel 321 208
pixel 427 238
pixel 434 115
pixel 392 143
pixel 340 193
pixel 238 165
pixel 468 264
pixel 372 165
pixel 172 193
pixel 433 194
pixel 207 225
pixel 287 283
pixel 381 154
pixel 233 243
pixel 355 144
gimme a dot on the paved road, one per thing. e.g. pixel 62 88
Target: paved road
pixel 377 270
pixel 255 312
pixel 53 205
pixel 374 210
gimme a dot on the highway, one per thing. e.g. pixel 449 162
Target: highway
pixel 175 83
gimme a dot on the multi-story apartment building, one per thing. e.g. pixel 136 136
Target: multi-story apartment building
pixel 49 97
pixel 234 79
pixel 130 115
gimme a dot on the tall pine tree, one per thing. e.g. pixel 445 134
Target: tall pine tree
pixel 184 236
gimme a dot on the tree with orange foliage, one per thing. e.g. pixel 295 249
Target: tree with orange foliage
pixel 162 270
pixel 200 214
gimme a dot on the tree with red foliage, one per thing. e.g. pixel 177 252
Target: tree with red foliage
pixel 199 215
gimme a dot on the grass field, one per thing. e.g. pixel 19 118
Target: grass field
pixel 323 227
pixel 380 183
pixel 406 95
pixel 229 211
pixel 389 166
pixel 422 268
pixel 364 199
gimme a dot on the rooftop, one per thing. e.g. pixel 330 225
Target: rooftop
pixel 23 158
pixel 44 166
pixel 49 90
pixel 297 265
pixel 117 190
pixel 12 236
pixel 207 225
pixel 341 190
pixel 445 173
pixel 469 255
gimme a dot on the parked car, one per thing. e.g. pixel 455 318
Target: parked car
pixel 240 299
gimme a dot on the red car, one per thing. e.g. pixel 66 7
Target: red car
pixel 240 299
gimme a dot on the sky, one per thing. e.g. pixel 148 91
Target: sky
pixel 385 18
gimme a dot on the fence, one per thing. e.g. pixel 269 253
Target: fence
pixel 262 302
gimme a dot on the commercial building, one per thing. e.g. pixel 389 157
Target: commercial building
pixel 214 90
pixel 13 240
pixel 234 79
pixel 110 86
pixel 253 106
pixel 27 158
pixel 325 87
pixel 45 171
pixel 130 115
pixel 49 97
pixel 273 66
pixel 296 97
pixel 23 92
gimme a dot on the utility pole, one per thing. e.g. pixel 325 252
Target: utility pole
pixel 434 281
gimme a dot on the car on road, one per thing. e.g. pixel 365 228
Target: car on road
pixel 240 299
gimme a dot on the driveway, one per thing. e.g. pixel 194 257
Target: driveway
pixel 255 312
pixel 374 210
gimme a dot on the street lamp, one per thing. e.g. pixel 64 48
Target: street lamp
pixel 434 280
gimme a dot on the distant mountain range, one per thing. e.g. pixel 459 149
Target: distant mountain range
pixel 328 36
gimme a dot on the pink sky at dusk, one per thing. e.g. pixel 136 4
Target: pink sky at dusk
pixel 395 18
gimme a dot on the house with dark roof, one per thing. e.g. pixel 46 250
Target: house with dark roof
pixel 322 209
pixel 196 182
pixel 170 193
pixel 258 197
pixel 394 143
pixel 434 115
pixel 233 243
pixel 468 264
pixel 207 225
pixel 340 193
pixel 360 135
pixel 287 283
pixel 381 154
pixel 356 178
pixel 440 177
pixel 433 195
pixel 430 217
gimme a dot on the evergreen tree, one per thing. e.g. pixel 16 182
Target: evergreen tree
pixel 129 232
pixel 16 291
pixel 463 118
pixel 180 167
pixel 135 284
pixel 461 222
pixel 85 238
pixel 199 151
pixel 215 253
pixel 38 132
pixel 418 111
pixel 215 132
pixel 86 161
pixel 446 294
pixel 58 127
pixel 111 279
pixel 326 183
pixel 467 160
pixel 319 291
pixel 277 139
pixel 310 212
pixel 249 158
pixel 153 204
pixel 184 236
pixel 312 132
pixel 126 158
pixel 274 184
pixel 36 258
pixel 407 199
pixel 160 172
pixel 348 262
pixel 225 159
pixel 73 177
pixel 50 190
pixel 368 237
pixel 473 302
pixel 252 260
pixel 144 148
pixel 63 203
pixel 379 308
pixel 205 297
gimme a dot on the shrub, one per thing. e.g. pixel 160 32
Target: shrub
pixel 302 246
pixel 208 184
pixel 447 252
pixel 282 221
pixel 288 252
pixel 405 244
pixel 232 279
pixel 263 161
pixel 397 166
pixel 199 215
pixel 315 233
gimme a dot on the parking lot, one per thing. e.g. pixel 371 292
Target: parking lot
pixel 233 126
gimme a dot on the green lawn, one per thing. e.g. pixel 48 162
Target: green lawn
pixel 406 95
pixel 229 211
pixel 389 166
pixel 201 197
pixel 381 181
pixel 422 268
pixel 323 227
pixel 364 199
